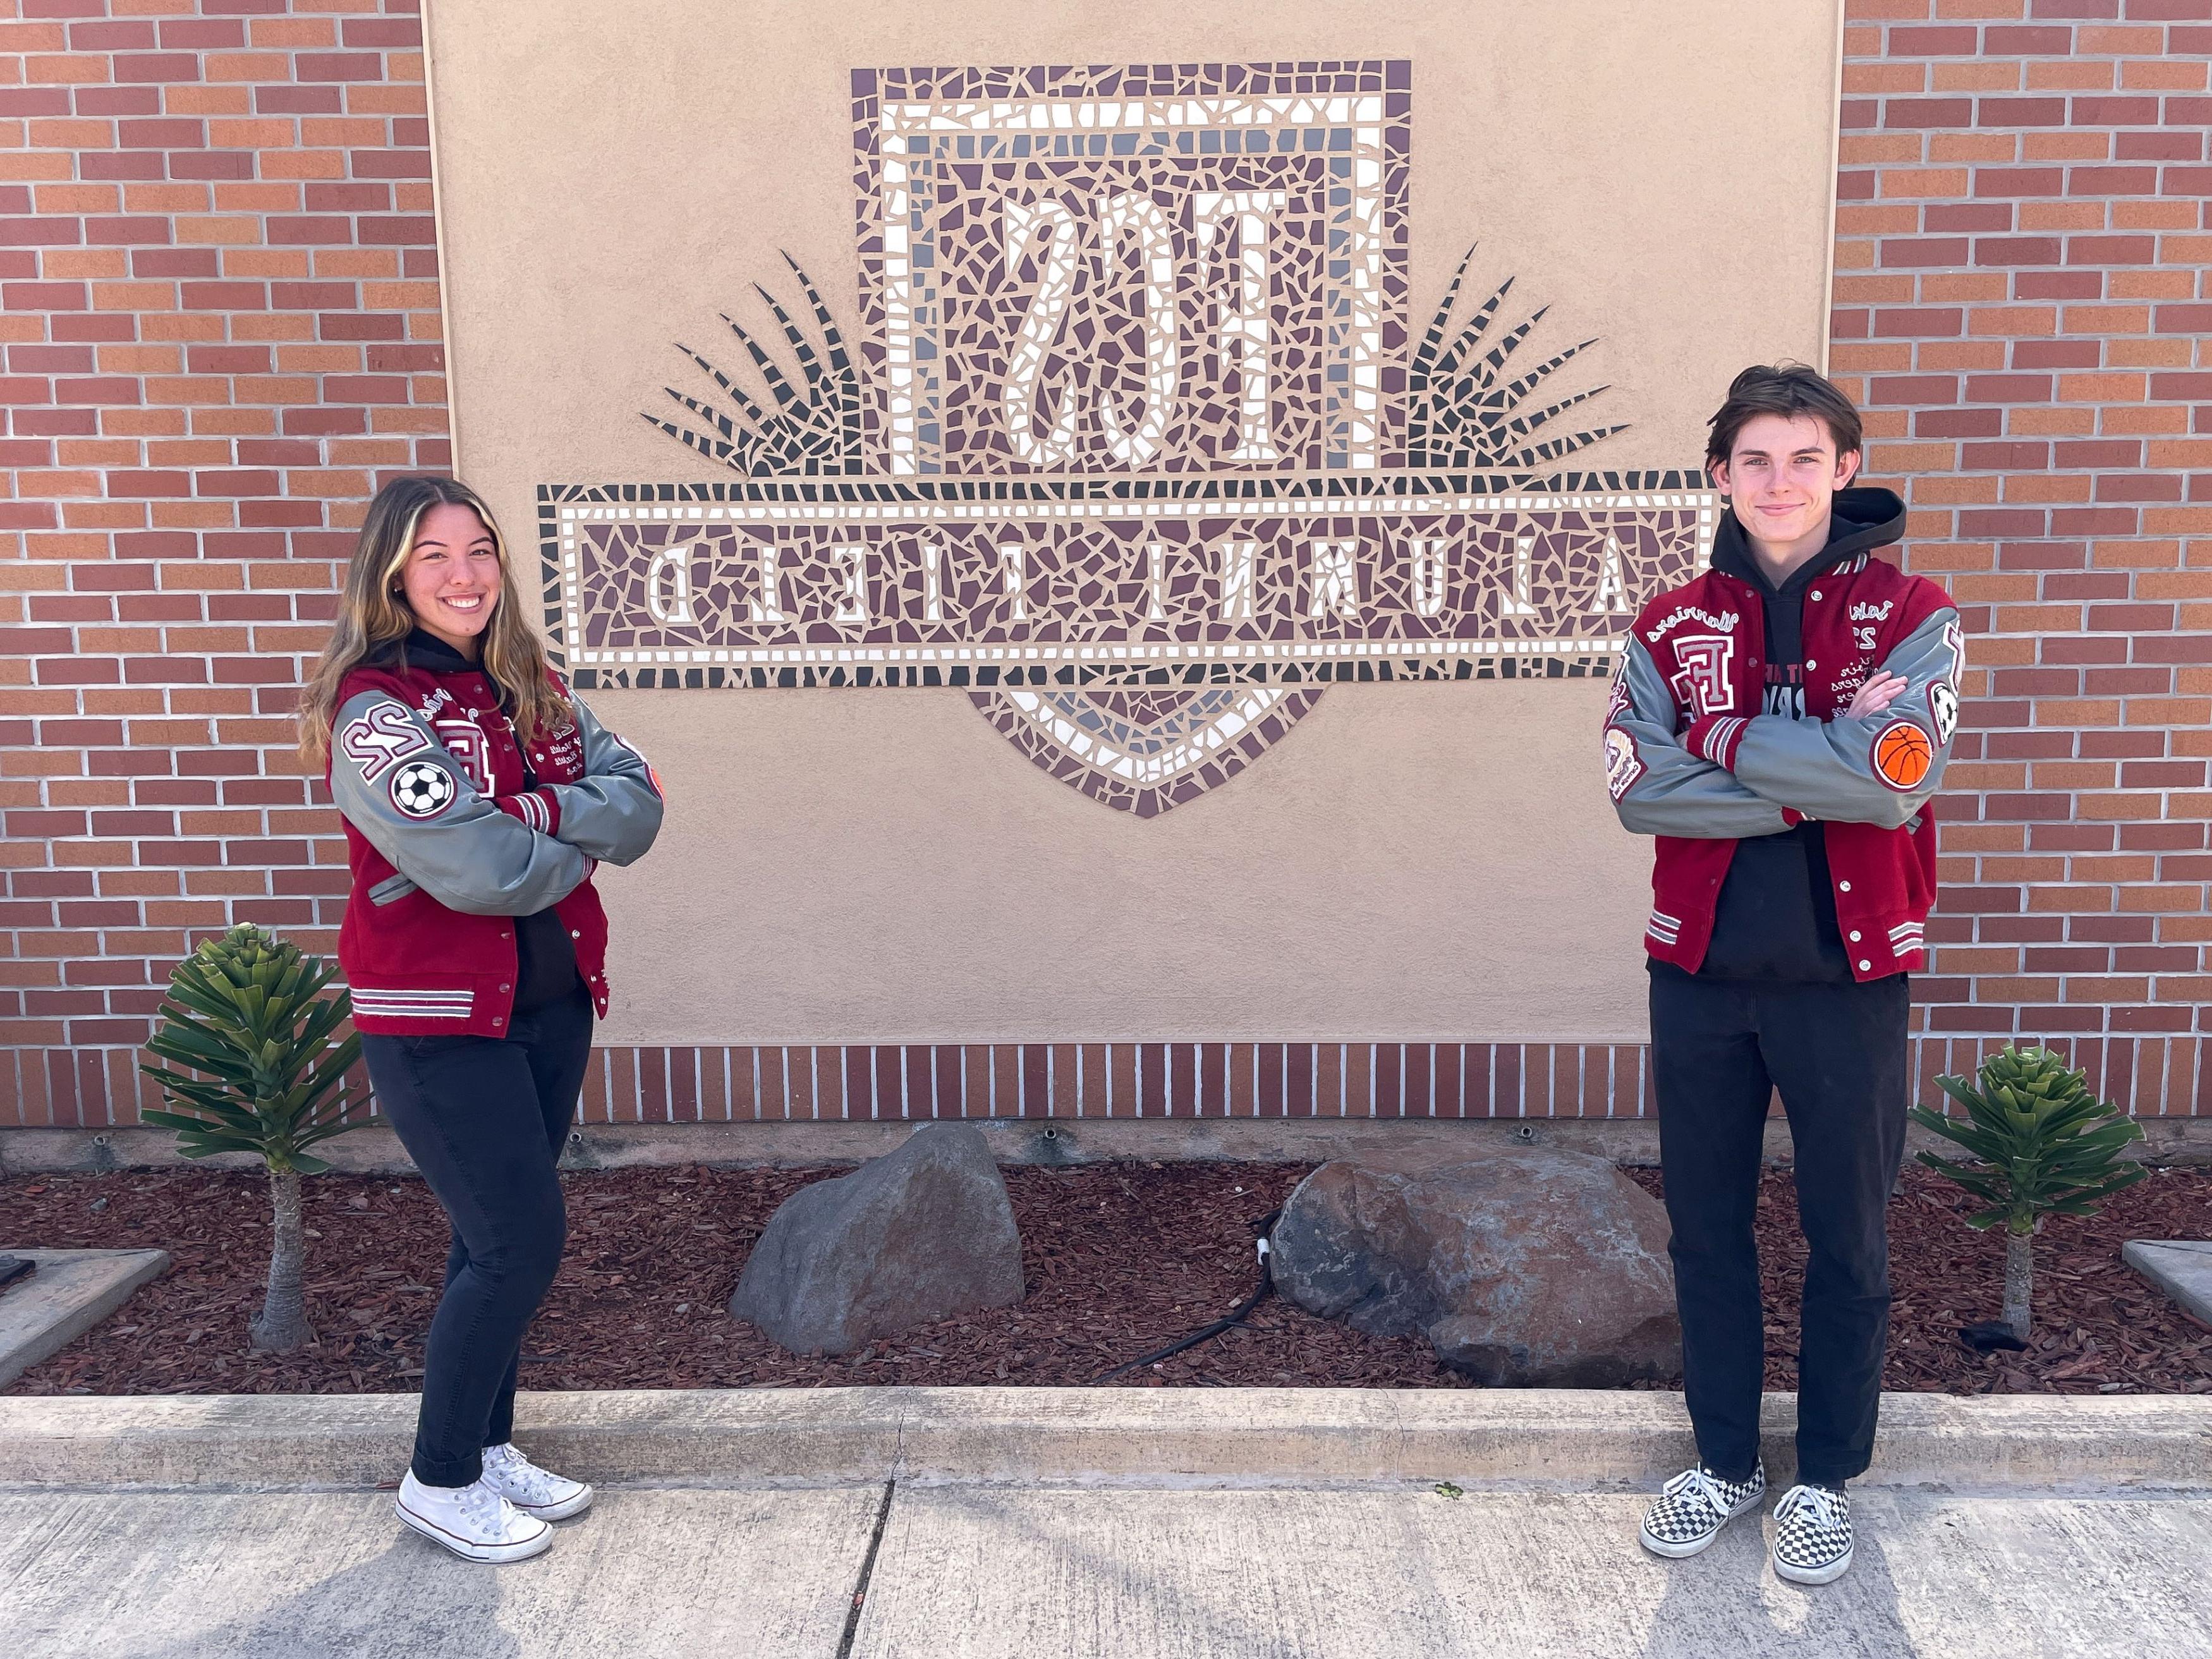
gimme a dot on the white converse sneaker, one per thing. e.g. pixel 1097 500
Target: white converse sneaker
pixel 1692 1509
pixel 474 1522
pixel 541 1492
pixel 1813 1534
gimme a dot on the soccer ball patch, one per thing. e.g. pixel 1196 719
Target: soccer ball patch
pixel 422 789
pixel 1943 709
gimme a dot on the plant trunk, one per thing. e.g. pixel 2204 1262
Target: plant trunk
pixel 2019 1281
pixel 283 1325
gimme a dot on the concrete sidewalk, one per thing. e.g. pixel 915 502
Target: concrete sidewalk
pixel 1233 1523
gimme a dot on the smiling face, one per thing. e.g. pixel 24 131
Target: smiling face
pixel 1781 478
pixel 451 581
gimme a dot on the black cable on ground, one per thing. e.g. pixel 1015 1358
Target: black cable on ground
pixel 1264 1227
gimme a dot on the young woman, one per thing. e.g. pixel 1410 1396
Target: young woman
pixel 477 794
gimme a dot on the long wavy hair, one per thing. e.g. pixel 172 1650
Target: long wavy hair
pixel 373 612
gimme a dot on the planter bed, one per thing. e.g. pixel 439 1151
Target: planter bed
pixel 1122 1259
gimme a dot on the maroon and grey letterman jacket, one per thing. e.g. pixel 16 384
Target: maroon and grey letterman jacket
pixel 1696 758
pixel 454 833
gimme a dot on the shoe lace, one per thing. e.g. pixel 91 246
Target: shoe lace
pixel 1816 1505
pixel 511 1466
pixel 1695 1485
pixel 483 1508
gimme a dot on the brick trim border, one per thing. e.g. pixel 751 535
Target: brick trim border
pixel 2152 1076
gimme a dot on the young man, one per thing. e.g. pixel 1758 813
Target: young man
pixel 1779 725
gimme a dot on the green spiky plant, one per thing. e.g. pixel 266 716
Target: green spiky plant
pixel 812 433
pixel 1462 414
pixel 246 1014
pixel 2043 1144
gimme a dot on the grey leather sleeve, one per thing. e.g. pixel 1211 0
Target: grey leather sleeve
pixel 1831 768
pixel 1658 787
pixel 395 783
pixel 613 812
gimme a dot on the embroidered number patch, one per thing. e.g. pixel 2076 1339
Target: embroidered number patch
pixel 1622 769
pixel 423 789
pixel 1902 754
pixel 381 739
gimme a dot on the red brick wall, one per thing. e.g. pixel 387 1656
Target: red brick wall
pixel 219 312
pixel 2020 302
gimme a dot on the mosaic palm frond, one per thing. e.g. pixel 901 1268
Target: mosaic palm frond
pixel 1464 415
pixel 814 427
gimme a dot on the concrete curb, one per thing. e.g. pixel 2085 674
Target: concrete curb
pixel 1563 1438
pixel 69 1293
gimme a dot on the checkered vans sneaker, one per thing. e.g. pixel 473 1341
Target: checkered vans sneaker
pixel 1693 1508
pixel 1813 1534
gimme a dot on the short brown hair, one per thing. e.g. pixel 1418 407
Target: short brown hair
pixel 1787 389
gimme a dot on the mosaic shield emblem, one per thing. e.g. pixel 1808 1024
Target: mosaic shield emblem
pixel 1133 443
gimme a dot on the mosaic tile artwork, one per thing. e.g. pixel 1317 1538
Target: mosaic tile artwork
pixel 1136 446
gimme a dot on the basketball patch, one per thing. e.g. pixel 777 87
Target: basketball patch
pixel 1943 710
pixel 1902 756
pixel 1622 769
pixel 423 789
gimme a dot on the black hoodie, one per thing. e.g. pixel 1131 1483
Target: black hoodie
pixel 1776 914
pixel 545 957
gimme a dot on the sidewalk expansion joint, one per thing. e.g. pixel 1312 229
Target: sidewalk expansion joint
pixel 868 1571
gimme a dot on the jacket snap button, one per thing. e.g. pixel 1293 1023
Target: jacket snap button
pixel 1816 593
pixel 497 1021
pixel 1809 663
pixel 573 934
pixel 1865 965
pixel 510 988
pixel 1843 887
pixel 1854 939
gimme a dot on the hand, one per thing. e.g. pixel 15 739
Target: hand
pixel 1876 697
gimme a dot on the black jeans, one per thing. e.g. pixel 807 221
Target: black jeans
pixel 1837 1053
pixel 484 1119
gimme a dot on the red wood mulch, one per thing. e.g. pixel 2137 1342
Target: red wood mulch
pixel 1122 1259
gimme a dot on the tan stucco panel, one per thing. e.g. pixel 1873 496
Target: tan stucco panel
pixel 1412 861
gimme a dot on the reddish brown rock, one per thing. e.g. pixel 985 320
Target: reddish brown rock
pixel 1534 1268
pixel 913 1236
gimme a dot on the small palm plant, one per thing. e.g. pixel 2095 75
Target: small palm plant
pixel 246 1012
pixel 2043 1144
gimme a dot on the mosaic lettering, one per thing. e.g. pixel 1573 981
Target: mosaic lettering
pixel 1132 440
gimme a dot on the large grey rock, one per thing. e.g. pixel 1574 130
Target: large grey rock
pixel 1535 1268
pixel 918 1235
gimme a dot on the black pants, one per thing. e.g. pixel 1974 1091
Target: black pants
pixel 1838 1054
pixel 484 1119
